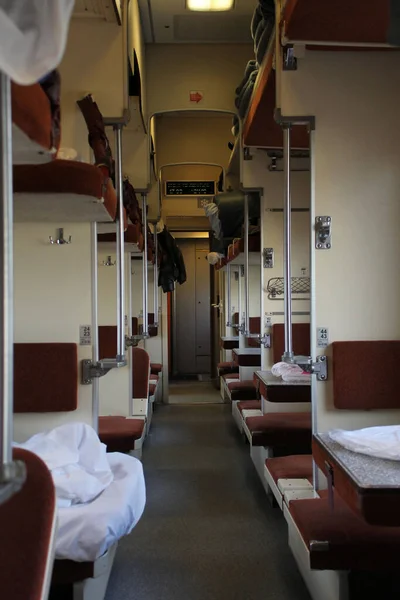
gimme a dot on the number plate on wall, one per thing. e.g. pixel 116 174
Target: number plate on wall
pixel 322 337
pixel 85 335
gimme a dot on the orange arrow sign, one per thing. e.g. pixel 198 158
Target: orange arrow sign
pixel 196 97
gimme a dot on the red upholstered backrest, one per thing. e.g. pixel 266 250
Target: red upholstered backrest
pixel 135 326
pixel 107 341
pixel 301 340
pixel 153 331
pixel 365 374
pixel 45 377
pixel 140 373
pixel 254 327
pixel 27 523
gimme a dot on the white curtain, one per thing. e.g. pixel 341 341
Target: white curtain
pixel 33 35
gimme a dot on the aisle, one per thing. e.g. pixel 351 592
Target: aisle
pixel 208 532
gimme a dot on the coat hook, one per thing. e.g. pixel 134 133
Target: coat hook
pixel 109 262
pixel 60 240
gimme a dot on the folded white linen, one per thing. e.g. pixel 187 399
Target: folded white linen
pixel 380 442
pixel 77 461
pixel 281 368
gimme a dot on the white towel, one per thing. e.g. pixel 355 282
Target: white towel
pixel 381 442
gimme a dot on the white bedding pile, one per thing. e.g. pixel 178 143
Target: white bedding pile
pixel 86 531
pixel 380 442
pixel 100 496
pixel 77 461
pixel 290 372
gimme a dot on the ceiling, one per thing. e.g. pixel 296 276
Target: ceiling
pixel 108 10
pixel 169 22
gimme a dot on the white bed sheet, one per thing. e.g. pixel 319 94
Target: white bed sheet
pixel 86 531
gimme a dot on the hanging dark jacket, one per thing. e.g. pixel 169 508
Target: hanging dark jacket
pixel 172 266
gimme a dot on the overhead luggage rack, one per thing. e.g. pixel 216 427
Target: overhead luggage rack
pixel 300 286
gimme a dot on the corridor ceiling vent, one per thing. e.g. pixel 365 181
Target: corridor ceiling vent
pixel 210 5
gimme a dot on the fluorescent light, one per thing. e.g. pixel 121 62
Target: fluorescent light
pixel 210 5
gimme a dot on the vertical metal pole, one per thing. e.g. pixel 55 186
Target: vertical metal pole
pixel 95 328
pixel 287 246
pixel 130 317
pixel 246 266
pixel 145 267
pixel 240 307
pixel 262 283
pixel 120 247
pixel 228 296
pixel 313 298
pixel 6 266
pixel 156 308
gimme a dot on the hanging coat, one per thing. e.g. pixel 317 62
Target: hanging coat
pixel 172 266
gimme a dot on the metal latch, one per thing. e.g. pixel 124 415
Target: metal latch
pixel 265 340
pixel 12 478
pixel 289 59
pixel 91 370
pixel 133 340
pixel 319 368
pixel 319 546
pixel 268 255
pixel 323 233
pixel 241 328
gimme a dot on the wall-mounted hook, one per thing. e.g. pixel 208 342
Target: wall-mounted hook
pixel 109 262
pixel 60 240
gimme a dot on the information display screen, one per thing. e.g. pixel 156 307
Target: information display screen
pixel 190 188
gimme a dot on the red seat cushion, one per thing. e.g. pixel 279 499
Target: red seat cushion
pixel 227 367
pixel 152 389
pixel 231 376
pixel 249 405
pixel 154 377
pixel 352 543
pixel 242 390
pixel 297 466
pixel 156 368
pixel 119 433
pixel 291 430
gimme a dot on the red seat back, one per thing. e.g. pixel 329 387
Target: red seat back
pixel 140 373
pixel 301 340
pixel 27 525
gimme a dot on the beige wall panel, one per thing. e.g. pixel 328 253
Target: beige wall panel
pixel 357 183
pixel 52 297
pixel 92 64
pixel 173 70
pixel 114 387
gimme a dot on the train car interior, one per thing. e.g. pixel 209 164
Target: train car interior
pixel 200 200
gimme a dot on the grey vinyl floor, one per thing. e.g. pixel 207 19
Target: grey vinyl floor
pixel 193 392
pixel 208 531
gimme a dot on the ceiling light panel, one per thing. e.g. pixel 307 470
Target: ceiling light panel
pixel 210 5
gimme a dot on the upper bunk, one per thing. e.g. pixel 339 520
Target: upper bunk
pixel 47 188
pixel 235 254
pixel 315 25
pixel 362 23
pixel 260 129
